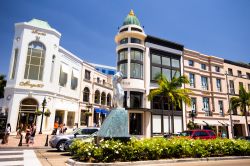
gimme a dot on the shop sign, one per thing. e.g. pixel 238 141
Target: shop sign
pixel 38 32
pixel 27 83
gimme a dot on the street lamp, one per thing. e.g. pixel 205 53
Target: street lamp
pixel 43 104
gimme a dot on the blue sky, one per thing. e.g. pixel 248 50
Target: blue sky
pixel 214 27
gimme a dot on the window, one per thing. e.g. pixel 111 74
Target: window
pixel 86 94
pixel 221 110
pixel 14 64
pixel 123 68
pixel 63 78
pixel 124 41
pixel 74 80
pixel 231 87
pixel 240 85
pixel 135 40
pixel 192 80
pixel 97 97
pixel 123 54
pixel 52 68
pixel 109 100
pixel 103 98
pixel 204 83
pixel 124 29
pixel 230 71
pixel 35 61
pixel 217 69
pixel 190 62
pixel 203 66
pixel 205 104
pixel 135 124
pixel 193 104
pixel 103 82
pixel 98 80
pixel 87 75
pixel 218 84
pixel 136 55
pixel 136 70
pixel 135 29
pixel 135 99
pixel 164 63
pixel 248 75
pixel 176 63
pixel 239 73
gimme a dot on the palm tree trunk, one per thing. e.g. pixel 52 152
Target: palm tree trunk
pixel 172 118
pixel 169 116
pixel 247 127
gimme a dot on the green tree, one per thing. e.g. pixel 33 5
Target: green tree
pixel 172 92
pixel 242 102
pixel 2 85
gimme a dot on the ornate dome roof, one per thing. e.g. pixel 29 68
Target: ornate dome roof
pixel 131 19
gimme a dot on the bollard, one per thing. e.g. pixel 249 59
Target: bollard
pixel 47 139
pixel 21 141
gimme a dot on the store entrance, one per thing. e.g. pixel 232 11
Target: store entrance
pixel 27 114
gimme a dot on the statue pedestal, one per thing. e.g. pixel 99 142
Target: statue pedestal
pixel 115 126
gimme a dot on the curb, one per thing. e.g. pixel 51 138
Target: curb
pixel 71 162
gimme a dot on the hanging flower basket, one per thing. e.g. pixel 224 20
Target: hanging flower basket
pixel 47 113
pixel 38 112
pixel 88 113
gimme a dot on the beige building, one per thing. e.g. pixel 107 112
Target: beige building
pixel 209 108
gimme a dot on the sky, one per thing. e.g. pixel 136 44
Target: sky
pixel 88 27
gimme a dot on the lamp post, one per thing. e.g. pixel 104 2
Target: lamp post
pixel 229 109
pixel 89 106
pixel 43 104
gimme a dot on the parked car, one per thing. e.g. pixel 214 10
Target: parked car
pixel 171 135
pixel 245 138
pixel 58 141
pixel 199 134
pixel 89 138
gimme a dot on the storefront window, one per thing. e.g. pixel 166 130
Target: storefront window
pixel 135 124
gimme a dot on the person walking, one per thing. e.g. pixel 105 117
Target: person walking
pixel 7 134
pixel 27 136
pixel 32 134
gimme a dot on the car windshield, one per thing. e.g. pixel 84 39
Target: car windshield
pixel 186 133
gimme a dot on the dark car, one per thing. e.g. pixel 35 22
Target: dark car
pixel 58 141
pixel 199 134
pixel 245 138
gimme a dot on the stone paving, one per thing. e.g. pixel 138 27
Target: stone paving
pixel 39 141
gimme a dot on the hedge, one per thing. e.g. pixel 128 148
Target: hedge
pixel 157 148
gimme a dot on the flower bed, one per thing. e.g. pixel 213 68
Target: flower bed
pixel 157 148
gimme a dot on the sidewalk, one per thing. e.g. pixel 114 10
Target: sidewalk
pixel 39 141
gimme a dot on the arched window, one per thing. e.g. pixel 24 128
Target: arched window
pixel 86 94
pixel 35 61
pixel 97 97
pixel 109 99
pixel 103 98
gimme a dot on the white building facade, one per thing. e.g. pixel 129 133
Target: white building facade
pixel 40 68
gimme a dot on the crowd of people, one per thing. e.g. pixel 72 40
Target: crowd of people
pixel 59 128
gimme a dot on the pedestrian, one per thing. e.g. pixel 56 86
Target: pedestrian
pixel 61 128
pixel 32 134
pixel 27 136
pixel 19 131
pixel 7 134
pixel 54 132
pixel 64 128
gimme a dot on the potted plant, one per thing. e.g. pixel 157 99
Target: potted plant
pixel 88 113
pixel 47 113
pixel 38 112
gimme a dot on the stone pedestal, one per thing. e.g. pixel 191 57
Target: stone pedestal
pixel 115 125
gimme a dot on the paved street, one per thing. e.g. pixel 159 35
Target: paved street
pixel 52 157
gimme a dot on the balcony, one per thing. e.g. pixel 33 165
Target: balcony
pixel 208 113
pixel 221 113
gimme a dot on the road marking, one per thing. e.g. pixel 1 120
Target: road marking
pixel 9 163
pixel 10 156
pixel 30 158
pixel 3 152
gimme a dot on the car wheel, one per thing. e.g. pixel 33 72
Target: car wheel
pixel 60 146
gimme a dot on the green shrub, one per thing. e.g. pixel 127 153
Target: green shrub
pixel 157 148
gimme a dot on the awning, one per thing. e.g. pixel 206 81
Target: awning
pixel 98 110
pixel 105 111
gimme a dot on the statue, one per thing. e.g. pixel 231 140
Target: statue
pixel 115 125
pixel 118 91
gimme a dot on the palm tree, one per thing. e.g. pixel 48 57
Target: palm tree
pixel 243 101
pixel 172 92
pixel 2 85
